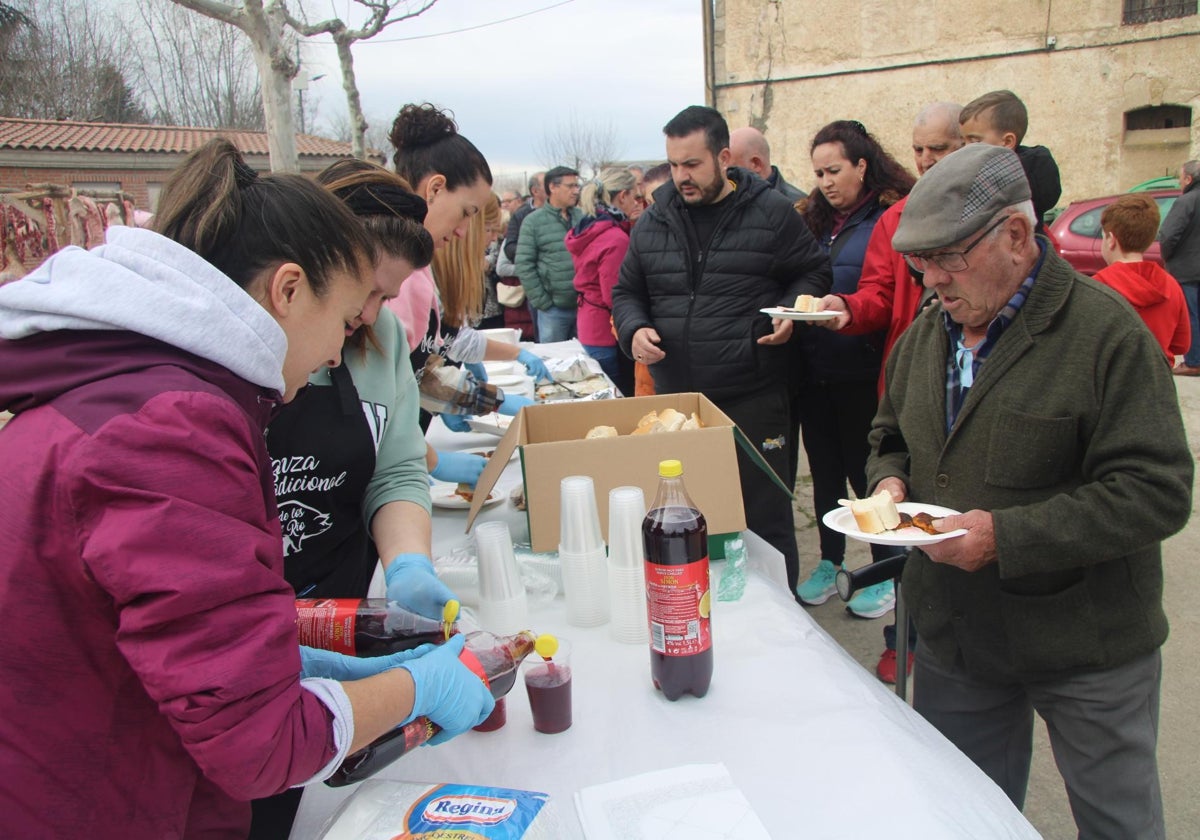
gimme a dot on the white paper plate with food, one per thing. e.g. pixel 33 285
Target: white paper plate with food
pixel 488 451
pixel 490 424
pixel 842 520
pixel 796 315
pixel 457 496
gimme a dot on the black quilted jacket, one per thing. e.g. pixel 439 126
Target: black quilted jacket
pixel 705 306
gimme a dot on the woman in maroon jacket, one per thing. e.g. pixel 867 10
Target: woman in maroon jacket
pixel 597 244
pixel 157 686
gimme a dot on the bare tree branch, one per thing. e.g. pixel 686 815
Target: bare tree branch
pixel 344 38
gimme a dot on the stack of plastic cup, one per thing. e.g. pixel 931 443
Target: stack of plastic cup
pixel 581 552
pixel 502 606
pixel 626 572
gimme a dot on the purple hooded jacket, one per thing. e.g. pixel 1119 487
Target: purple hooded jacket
pixel 151 678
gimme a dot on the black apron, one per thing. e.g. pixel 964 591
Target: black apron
pixel 323 452
pixel 427 347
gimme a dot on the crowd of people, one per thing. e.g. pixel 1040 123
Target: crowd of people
pixel 226 411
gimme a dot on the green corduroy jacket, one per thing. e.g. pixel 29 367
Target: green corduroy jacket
pixel 1072 437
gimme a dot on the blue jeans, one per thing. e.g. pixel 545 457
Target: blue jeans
pixel 1191 293
pixel 555 324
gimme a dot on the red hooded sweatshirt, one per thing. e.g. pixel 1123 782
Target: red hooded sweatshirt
pixel 1157 297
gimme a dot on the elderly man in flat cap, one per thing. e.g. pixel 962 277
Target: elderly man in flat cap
pixel 1035 401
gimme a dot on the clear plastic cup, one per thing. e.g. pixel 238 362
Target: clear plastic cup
pixel 499 576
pixel 626 510
pixel 585 586
pixel 548 684
pixel 579 522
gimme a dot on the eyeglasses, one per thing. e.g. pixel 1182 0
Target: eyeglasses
pixel 950 261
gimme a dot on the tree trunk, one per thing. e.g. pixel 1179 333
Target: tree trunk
pixel 265 28
pixel 358 122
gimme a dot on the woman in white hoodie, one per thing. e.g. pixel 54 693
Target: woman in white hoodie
pixel 141 554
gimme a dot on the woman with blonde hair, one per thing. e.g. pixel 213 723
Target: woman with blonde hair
pixel 611 203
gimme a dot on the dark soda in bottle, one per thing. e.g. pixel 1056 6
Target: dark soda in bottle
pixel 363 626
pixel 678 602
pixel 493 658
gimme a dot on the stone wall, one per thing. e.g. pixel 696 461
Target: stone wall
pixel 790 66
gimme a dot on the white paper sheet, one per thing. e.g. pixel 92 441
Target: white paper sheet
pixel 692 802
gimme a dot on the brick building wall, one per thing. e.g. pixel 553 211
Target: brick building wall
pixel 142 185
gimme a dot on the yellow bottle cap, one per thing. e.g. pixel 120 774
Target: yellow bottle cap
pixel 670 469
pixel 449 616
pixel 546 645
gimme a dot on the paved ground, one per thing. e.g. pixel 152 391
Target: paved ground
pixel 1179 736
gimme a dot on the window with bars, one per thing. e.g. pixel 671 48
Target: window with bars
pixel 1145 11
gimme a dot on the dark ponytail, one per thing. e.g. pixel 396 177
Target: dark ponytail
pixel 244 223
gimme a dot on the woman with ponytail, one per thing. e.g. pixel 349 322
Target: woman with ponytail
pixel 141 547
pixel 611 203
pixel 455 180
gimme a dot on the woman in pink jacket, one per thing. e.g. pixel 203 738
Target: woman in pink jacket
pixel 155 684
pixel 611 204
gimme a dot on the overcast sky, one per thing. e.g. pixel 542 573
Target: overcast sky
pixel 629 63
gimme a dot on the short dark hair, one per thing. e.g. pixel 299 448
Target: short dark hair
pixel 661 172
pixel 557 174
pixel 1003 111
pixel 1133 219
pixel 700 118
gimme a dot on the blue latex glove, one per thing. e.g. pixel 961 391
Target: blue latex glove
pixel 477 370
pixel 534 366
pixel 512 404
pixel 412 583
pixel 455 422
pixel 447 692
pixel 459 467
pixel 315 662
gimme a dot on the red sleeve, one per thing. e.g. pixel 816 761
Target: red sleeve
pixel 871 305
pixel 175 526
pixel 610 267
pixel 1181 341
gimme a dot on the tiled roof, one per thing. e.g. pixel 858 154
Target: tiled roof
pixel 68 136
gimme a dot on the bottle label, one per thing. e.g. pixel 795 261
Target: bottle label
pixel 327 623
pixel 678 604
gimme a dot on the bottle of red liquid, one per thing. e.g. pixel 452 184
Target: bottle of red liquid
pixel 494 658
pixel 677 589
pixel 364 627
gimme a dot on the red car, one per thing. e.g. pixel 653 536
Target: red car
pixel 1077 230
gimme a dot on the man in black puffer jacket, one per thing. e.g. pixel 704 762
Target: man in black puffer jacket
pixel 717 246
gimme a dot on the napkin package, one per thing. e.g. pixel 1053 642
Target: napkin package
pixel 383 810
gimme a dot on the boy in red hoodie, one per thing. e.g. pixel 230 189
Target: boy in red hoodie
pixel 1129 225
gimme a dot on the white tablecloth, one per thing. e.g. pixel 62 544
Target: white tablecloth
pixel 819 747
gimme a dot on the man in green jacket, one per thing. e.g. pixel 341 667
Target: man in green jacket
pixel 543 263
pixel 1035 401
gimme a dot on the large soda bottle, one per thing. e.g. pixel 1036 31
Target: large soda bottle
pixel 677 589
pixel 364 627
pixel 493 658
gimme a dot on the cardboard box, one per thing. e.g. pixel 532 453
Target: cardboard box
pixel 551 438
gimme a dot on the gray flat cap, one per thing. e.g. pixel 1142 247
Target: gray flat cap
pixel 959 196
